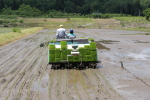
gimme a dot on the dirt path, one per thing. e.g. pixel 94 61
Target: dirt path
pixel 25 75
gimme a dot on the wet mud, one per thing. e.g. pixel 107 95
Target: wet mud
pixel 122 74
pixel 100 46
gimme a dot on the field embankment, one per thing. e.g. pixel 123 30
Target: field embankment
pixel 12 36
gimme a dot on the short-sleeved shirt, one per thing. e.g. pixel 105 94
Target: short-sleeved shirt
pixel 71 36
pixel 61 33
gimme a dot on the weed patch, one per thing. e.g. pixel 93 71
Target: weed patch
pixel 16 30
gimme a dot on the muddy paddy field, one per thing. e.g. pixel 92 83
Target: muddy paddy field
pixel 123 74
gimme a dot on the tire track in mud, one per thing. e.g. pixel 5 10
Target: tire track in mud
pixel 51 75
pixel 31 80
pixel 63 86
pixel 137 77
pixel 80 86
pixel 71 86
pixel 11 53
pixel 54 87
pixel 15 57
pixel 29 77
pixel 94 95
pixel 14 67
pixel 38 71
pixel 23 66
pixel 24 71
pixel 105 86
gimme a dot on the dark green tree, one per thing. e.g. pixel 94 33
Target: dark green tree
pixel 59 4
pixel 137 7
pixel 146 13
pixel 14 5
pixel 1 4
pixel 21 2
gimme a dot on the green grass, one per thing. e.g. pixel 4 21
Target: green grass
pixel 132 19
pixel 137 34
pixel 7 30
pixel 144 29
pixel 54 23
pixel 136 22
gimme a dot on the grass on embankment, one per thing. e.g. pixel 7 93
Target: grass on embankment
pixel 12 36
pixel 54 23
pixel 8 29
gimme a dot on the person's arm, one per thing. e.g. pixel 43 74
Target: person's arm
pixel 66 34
pixel 57 34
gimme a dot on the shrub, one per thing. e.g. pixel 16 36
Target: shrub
pixel 146 12
pixel 16 30
pixel 21 21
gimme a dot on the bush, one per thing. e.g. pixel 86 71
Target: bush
pixel 146 13
pixel 16 30
pixel 21 21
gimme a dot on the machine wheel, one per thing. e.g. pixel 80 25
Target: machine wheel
pixel 94 65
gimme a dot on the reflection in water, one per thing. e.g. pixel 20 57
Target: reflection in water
pixel 99 66
pixel 146 50
pixel 144 55
pixel 138 56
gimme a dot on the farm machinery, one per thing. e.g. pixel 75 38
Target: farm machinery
pixel 76 53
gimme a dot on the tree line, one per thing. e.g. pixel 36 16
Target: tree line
pixel 83 7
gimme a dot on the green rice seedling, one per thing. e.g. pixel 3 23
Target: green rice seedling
pixel 90 39
pixel 63 45
pixel 57 59
pixel 87 57
pixel 52 46
pixel 93 56
pixel 64 54
pixel 87 50
pixel 52 58
pixel 52 51
pixel 76 58
pixel 63 57
pixel 70 58
pixel 83 58
pixel 93 46
pixel 53 41
pixel 86 46
pixel 57 52
pixel 82 50
pixel 69 51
